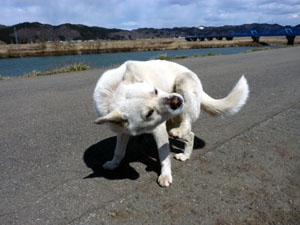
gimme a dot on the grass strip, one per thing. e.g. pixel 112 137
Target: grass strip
pixel 166 57
pixel 66 69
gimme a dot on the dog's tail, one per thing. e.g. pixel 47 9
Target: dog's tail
pixel 230 104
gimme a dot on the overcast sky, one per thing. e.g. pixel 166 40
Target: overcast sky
pixel 132 14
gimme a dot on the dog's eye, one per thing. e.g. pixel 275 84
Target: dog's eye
pixel 155 91
pixel 151 111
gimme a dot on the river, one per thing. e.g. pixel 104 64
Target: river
pixel 14 67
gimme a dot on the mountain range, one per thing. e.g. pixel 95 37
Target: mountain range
pixel 37 32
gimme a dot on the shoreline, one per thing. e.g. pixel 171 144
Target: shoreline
pixel 97 47
pixel 82 67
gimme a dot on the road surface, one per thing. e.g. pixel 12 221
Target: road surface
pixel 244 169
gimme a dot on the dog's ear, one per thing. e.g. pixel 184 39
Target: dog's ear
pixel 113 117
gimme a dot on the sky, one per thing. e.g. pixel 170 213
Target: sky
pixel 133 14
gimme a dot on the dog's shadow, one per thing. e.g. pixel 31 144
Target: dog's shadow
pixel 140 148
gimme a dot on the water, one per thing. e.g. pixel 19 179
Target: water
pixel 20 66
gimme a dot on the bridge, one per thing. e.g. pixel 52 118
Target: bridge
pixel 289 33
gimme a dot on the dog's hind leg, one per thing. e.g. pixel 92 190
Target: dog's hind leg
pixel 184 133
pixel 188 148
pixel 190 88
pixel 183 128
pixel 122 140
pixel 162 140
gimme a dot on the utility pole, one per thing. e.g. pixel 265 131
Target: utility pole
pixel 16 35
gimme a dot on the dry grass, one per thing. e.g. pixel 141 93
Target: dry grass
pixel 57 48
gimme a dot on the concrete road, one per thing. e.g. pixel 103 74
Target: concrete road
pixel 244 169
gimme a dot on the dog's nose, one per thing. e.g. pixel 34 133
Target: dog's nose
pixel 175 102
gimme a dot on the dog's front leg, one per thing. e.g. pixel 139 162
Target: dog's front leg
pixel 122 140
pixel 162 140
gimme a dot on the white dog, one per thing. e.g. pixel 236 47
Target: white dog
pixel 161 98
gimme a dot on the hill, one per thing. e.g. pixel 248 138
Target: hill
pixel 37 32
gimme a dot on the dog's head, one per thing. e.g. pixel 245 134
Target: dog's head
pixel 139 107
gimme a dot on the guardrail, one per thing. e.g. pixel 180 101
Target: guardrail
pixel 254 34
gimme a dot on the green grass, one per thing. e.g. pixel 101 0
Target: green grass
pixel 163 57
pixel 268 48
pixel 166 57
pixel 210 54
pixel 257 50
pixel 66 69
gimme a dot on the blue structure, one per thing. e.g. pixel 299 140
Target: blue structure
pixel 254 34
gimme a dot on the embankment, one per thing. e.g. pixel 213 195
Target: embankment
pixel 71 48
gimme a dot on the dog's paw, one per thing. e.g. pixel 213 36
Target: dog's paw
pixel 110 165
pixel 181 157
pixel 176 133
pixel 164 180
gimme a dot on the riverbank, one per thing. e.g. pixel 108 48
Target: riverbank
pixel 40 66
pixel 72 48
pixel 81 67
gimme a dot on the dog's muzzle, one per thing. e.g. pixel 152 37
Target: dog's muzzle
pixel 175 101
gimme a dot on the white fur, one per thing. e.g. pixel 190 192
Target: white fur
pixel 230 104
pixel 161 98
